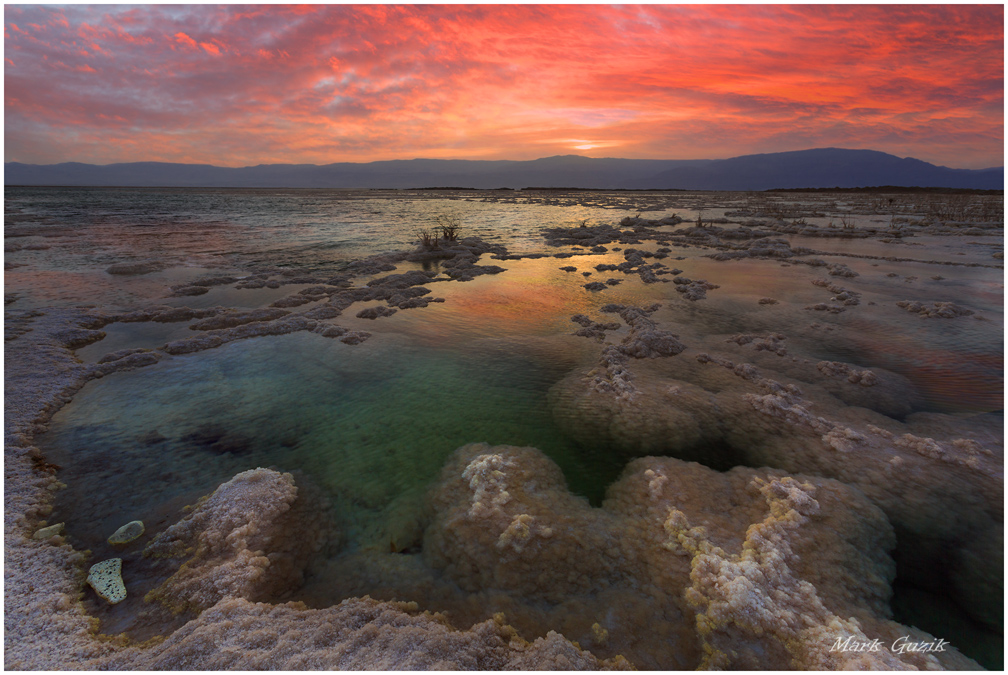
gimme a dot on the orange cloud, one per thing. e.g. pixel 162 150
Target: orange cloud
pixel 184 39
pixel 328 83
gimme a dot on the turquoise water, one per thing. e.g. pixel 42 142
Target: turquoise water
pixel 368 425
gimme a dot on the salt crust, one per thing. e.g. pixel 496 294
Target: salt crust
pixel 219 326
pixel 47 628
pixel 42 374
pixel 682 566
pixel 942 310
pixel 938 478
pixel 233 553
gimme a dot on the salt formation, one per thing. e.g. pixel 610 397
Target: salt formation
pixel 942 310
pixel 358 634
pixel 127 533
pixel 215 338
pixel 252 539
pixel 136 268
pixel 760 247
pixel 645 340
pixel 220 325
pixel 693 290
pixel 938 478
pixel 230 319
pixel 233 551
pixel 865 378
pixel 593 329
pixel 842 298
pixel 771 343
pixel 841 270
pixel 375 312
pixel 669 576
pixel 106 580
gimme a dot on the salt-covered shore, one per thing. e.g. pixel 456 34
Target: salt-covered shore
pixel 46 628
pixel 681 566
pixel 798 563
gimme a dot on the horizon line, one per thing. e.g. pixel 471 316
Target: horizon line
pixel 442 159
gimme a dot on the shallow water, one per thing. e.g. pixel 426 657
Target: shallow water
pixel 373 423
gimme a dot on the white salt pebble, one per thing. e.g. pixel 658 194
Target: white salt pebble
pixel 106 579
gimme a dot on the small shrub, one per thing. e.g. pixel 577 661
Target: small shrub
pixel 450 226
pixel 428 238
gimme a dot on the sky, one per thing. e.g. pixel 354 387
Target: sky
pixel 234 85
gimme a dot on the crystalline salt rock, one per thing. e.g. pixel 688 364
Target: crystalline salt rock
pixel 127 532
pixel 106 579
pixel 47 532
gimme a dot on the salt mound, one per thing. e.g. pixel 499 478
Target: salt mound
pixel 659 416
pixel 136 268
pixel 938 478
pixel 252 538
pixel 685 566
pixel 941 310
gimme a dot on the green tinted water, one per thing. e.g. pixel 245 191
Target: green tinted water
pixel 368 424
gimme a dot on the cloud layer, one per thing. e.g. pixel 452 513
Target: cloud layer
pixel 236 86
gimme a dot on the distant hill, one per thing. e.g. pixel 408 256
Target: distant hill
pixel 819 168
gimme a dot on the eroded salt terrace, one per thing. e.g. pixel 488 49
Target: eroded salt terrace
pixel 652 430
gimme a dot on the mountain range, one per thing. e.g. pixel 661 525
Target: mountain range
pixel 817 168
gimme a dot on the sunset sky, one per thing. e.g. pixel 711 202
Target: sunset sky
pixel 242 85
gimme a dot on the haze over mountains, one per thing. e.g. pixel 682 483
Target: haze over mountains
pixel 819 168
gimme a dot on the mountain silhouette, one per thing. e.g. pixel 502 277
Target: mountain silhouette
pixel 818 168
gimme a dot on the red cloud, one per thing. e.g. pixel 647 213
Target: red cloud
pixel 343 82
pixel 184 39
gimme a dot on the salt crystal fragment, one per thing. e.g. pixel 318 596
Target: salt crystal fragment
pixel 106 579
pixel 127 532
pixel 47 532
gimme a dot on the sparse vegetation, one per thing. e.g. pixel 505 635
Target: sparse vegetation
pixel 446 228
pixel 427 238
pixel 449 226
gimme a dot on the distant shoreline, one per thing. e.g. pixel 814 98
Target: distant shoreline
pixel 879 189
pixel 815 168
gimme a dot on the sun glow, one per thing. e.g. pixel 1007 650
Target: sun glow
pixel 583 144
